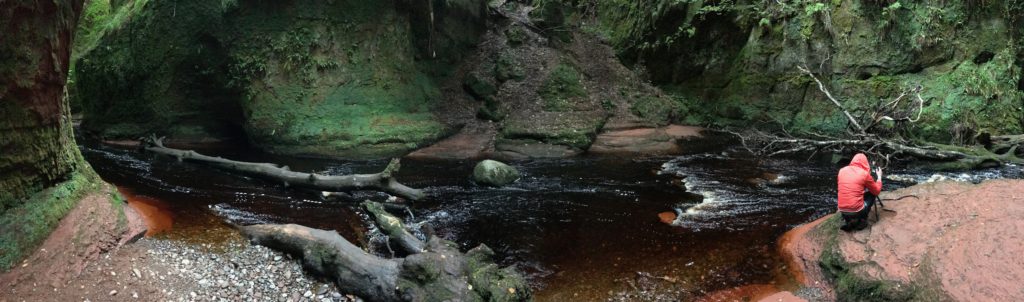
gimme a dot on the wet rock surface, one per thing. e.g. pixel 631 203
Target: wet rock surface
pixel 946 241
pixel 494 173
pixel 661 140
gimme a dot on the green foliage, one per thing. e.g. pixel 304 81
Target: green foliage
pixel 302 77
pixel 506 68
pixel 563 88
pixel 660 110
pixel 99 18
pixel 852 284
pixel 516 35
pixel 574 130
pixel 551 15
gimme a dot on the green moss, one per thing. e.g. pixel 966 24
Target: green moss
pixel 479 88
pixel 516 35
pixel 660 110
pixel 506 68
pixel 26 226
pixel 552 15
pixel 852 285
pixel 563 89
pixel 490 281
pixel 575 130
pixel 352 79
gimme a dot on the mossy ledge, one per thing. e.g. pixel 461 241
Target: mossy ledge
pixel 24 227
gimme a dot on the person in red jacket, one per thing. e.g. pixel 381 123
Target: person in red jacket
pixel 854 202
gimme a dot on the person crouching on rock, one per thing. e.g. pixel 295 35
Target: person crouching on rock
pixel 857 192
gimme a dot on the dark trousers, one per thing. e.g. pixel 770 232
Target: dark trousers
pixel 859 220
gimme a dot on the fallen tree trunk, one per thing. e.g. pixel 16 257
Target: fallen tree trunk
pixel 954 158
pixel 393 227
pixel 436 272
pixel 383 181
pixel 328 254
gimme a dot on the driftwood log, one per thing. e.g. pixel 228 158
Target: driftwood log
pixel 383 181
pixel 433 270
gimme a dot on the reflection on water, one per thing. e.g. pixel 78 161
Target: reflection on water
pixel 155 212
pixel 582 229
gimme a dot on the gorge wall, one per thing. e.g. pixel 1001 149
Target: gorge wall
pixel 356 77
pixel 42 173
pixel 376 79
pixel 735 62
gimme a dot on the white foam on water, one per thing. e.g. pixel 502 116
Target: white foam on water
pixel 238 216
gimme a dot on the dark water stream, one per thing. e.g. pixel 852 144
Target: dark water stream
pixel 583 229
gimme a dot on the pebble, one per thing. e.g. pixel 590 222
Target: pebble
pixel 113 292
pixel 240 272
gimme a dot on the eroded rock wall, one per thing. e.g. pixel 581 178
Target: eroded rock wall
pixel 357 77
pixel 735 61
pixel 42 174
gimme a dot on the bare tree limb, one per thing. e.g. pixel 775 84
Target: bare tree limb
pixel 821 86
pixel 383 181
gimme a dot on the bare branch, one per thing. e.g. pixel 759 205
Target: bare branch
pixel 821 86
pixel 383 181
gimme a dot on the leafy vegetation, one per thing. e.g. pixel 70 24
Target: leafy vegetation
pixel 563 88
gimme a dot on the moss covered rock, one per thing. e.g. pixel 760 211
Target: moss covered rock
pixel 735 63
pixel 494 173
pixel 350 78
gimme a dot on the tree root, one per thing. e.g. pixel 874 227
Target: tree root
pixel 433 271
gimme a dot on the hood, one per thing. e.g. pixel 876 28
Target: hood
pixel 860 160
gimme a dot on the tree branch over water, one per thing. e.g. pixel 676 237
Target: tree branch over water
pixel 866 139
pixel 383 181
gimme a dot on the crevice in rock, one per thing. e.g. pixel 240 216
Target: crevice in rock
pixel 984 57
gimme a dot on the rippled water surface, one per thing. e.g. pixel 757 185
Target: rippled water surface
pixel 582 229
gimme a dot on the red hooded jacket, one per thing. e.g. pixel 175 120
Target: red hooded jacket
pixel 853 179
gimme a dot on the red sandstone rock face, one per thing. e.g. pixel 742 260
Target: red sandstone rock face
pixel 960 240
pixel 782 297
pixel 801 247
pixel 662 140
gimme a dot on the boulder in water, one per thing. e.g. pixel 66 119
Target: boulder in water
pixel 494 173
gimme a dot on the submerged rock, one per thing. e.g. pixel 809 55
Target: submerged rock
pixel 494 173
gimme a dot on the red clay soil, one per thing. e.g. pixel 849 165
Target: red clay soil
pixel 89 230
pixel 782 297
pixel 958 240
pixel 752 292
